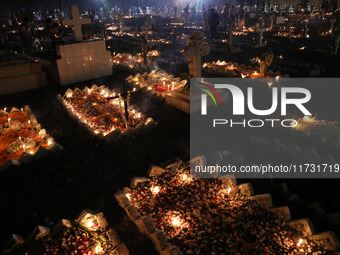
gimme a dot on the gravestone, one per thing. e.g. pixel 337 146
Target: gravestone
pixel 76 22
pixel 195 49
pixel 18 76
pixel 146 27
pixel 80 61
pixel 260 31
pixel 121 20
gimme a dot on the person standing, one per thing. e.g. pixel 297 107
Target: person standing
pixel 213 21
pixel 226 14
pixel 25 34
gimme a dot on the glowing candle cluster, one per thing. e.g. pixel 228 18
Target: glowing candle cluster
pixel 127 60
pixel 19 133
pixel 232 69
pixel 208 215
pixel 100 115
pixel 160 82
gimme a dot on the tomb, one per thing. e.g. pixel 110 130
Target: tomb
pixel 81 60
pixel 22 138
pixel 19 73
pixel 102 112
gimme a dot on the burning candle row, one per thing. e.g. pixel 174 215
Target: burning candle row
pixel 127 60
pixel 160 81
pixel 19 133
pixel 232 69
pixel 202 216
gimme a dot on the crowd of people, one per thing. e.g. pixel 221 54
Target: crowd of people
pixel 211 17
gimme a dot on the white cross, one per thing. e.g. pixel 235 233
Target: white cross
pixel 261 30
pixel 76 22
pixel 121 19
pixel 146 27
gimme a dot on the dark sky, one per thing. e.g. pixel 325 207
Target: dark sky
pixel 51 4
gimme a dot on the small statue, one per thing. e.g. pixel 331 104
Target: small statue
pixel 265 62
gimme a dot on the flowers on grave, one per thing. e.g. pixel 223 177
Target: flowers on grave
pixel 19 133
pixel 22 143
pixel 100 114
pixel 200 216
pixel 159 81
pixel 75 238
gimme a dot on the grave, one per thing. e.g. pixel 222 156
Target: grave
pixel 147 204
pixel 22 138
pixel 102 112
pixel 20 73
pixel 89 233
pixel 81 60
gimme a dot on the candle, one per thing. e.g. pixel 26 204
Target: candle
pixel 175 221
pixel 155 190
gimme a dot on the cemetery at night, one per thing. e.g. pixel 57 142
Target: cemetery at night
pixel 169 127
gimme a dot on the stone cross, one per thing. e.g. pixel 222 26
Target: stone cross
pixel 195 49
pixel 146 27
pixel 261 30
pixel 231 27
pixel 113 14
pixel 76 22
pixel 121 19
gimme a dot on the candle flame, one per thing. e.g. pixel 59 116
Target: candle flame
pixel 98 248
pixel 155 190
pixel 90 223
pixel 175 221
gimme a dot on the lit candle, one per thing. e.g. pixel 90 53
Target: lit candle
pixel 175 221
pixel 229 189
pixel 98 249
pixel 155 190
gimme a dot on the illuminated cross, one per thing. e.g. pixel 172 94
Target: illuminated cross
pixel 146 27
pixel 121 19
pixel 76 22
